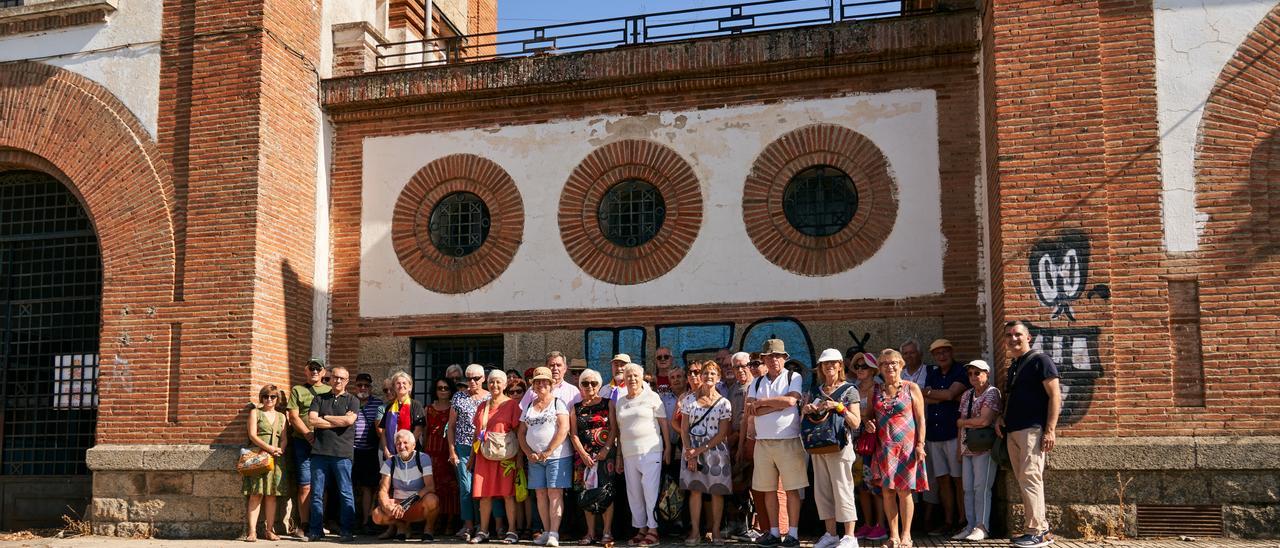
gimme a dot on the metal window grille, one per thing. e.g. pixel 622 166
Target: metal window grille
pixel 820 201
pixel 432 355
pixel 50 300
pixel 631 213
pixel 459 224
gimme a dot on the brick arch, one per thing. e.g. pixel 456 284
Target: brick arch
pixel 60 123
pixel 1236 153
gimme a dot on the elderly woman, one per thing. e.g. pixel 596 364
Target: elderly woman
pixel 435 444
pixel 866 378
pixel 594 447
pixel 544 437
pixel 462 437
pixel 401 412
pixel 708 419
pixel 978 408
pixel 407 492
pixel 833 472
pixel 496 424
pixel 898 466
pixel 266 432
pixel 640 426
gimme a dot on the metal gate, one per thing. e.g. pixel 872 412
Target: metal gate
pixel 432 355
pixel 50 300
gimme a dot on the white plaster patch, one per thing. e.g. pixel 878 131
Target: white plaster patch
pixel 722 265
pixel 131 72
pixel 1194 41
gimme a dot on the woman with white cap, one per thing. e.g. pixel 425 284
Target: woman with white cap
pixel 833 471
pixel 978 409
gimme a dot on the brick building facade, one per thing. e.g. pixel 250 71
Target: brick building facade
pixel 1091 167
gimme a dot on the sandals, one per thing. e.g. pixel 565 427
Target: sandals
pixel 607 541
pixel 479 538
pixel 587 541
pixel 511 538
pixel 692 541
pixel 650 538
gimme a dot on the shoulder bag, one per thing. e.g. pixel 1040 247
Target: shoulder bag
pixel 826 432
pixel 867 442
pixel 496 447
pixel 978 439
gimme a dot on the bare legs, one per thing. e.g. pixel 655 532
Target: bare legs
pixel 898 502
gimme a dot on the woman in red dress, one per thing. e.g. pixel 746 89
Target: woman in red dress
pixel 496 420
pixel 436 446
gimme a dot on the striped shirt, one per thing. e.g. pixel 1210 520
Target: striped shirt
pixel 366 424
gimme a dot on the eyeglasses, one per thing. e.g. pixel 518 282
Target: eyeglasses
pixel 338 378
pixel 860 367
pixel 664 357
pixel 589 383
pixel 441 387
pixel 363 385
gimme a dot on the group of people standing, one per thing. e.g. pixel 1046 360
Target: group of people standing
pixel 741 426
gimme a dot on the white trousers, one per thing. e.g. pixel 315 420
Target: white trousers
pixel 644 476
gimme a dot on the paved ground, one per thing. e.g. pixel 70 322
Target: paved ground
pixel 108 542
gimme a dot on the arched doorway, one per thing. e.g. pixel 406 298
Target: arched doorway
pixel 50 317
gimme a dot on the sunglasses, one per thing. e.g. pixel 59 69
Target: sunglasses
pixel 589 383
pixel 275 397
pixel 515 392
pixel 860 368
pixel 441 387
pixel 664 358
pixel 335 378
pixel 475 379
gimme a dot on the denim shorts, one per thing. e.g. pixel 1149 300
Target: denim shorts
pixel 553 474
pixel 301 459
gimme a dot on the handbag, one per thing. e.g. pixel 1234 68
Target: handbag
pixel 867 442
pixel 254 463
pixel 827 432
pixel 670 499
pixel 978 439
pixel 496 447
pixel 599 493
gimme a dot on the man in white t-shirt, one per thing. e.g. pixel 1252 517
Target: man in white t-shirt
pixel 913 368
pixel 562 390
pixel 772 403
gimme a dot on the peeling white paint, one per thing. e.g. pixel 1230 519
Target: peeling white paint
pixel 722 265
pixel 1194 41
pixel 123 55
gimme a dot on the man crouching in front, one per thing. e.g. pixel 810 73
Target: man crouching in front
pixel 407 491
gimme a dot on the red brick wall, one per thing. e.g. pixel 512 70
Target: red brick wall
pixel 708 74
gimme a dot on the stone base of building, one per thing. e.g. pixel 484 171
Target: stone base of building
pixel 1094 486
pixel 166 491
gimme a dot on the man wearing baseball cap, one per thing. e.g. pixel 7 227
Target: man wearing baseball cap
pixel 300 397
pixel 779 453
pixel 618 364
pixel 943 385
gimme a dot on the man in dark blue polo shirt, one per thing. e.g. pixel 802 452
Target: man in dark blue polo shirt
pixel 943 385
pixel 1029 425
pixel 333 418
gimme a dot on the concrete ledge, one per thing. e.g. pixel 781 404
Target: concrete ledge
pixel 1167 453
pixel 162 457
pixel 45 15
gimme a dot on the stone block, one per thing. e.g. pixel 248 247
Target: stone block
pixel 568 341
pixel 119 484
pixel 130 529
pixel 1251 520
pixel 1246 487
pixel 104 529
pixel 383 351
pixel 198 529
pixel 216 484
pixel 108 510
pixel 1140 453
pixel 227 509
pixel 169 508
pixel 1095 521
pixel 169 483
pixel 1238 453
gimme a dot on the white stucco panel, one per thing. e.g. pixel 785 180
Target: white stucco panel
pixel 123 55
pixel 722 266
pixel 1194 41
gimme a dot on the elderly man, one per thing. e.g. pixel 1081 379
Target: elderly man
pixel 564 391
pixel 333 416
pixel 943 385
pixel 741 373
pixel 663 359
pixel 618 385
pixel 1029 424
pixel 406 492
pixel 779 453
pixel 300 397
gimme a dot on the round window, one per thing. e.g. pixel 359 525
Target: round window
pixel 820 201
pixel 631 213
pixel 459 224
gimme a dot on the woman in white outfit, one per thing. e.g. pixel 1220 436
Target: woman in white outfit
pixel 640 426
pixel 833 472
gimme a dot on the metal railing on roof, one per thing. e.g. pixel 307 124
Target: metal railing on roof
pixel 723 20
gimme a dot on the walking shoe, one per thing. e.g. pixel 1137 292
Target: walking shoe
pixel 848 541
pixel 541 540
pixel 976 534
pixel 750 535
pixel 877 533
pixel 347 538
pixel 1034 541
pixel 962 535
pixel 789 541
pixel 768 539
pixel 861 532
pixel 827 541
pixel 553 539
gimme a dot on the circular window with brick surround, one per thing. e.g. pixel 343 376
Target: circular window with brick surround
pixel 819 200
pixel 457 224
pixel 629 212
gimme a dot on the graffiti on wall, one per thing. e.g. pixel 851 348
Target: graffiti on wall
pixel 1059 268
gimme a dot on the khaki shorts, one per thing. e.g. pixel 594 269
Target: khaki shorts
pixel 780 457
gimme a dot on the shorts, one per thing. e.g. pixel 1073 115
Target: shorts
pixel 553 474
pixel 366 468
pixel 301 450
pixel 943 458
pixel 785 458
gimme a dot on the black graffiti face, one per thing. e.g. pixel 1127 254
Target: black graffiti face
pixel 1059 270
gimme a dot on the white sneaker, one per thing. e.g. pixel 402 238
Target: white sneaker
pixel 848 541
pixel 963 535
pixel 827 541
pixel 976 534
pixel 553 539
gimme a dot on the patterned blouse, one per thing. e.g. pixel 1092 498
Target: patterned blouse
pixel 464 430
